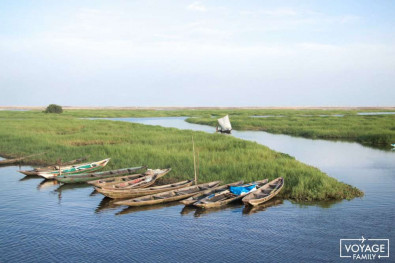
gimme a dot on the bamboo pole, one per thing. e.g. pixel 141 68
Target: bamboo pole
pixel 197 166
pixel 194 160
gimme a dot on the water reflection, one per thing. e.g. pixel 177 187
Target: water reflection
pixel 248 210
pixel 30 177
pixel 106 204
pixel 188 209
pixel 234 207
pixel 131 209
pixel 322 204
pixel 67 187
pixel 47 184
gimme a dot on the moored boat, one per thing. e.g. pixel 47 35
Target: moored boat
pixel 169 196
pixel 106 182
pixel 75 169
pixel 34 172
pixel 193 199
pixel 229 195
pixel 147 180
pixel 85 177
pixel 136 192
pixel 264 193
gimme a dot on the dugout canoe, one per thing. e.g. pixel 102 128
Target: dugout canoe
pixel 75 169
pixel 193 199
pixel 136 192
pixel 169 196
pixel 225 197
pixel 123 179
pixel 83 178
pixel 264 193
pixel 54 167
pixel 140 182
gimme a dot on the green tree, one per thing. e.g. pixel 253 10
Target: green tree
pixel 53 108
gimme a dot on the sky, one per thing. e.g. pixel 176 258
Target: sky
pixel 197 53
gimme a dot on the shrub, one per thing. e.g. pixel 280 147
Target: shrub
pixel 53 108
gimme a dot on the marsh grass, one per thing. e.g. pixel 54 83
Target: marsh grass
pixel 370 130
pixel 221 157
pixel 374 130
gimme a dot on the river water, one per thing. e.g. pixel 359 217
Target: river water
pixel 44 222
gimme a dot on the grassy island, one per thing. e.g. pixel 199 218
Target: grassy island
pixel 221 157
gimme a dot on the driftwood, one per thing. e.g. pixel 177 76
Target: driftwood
pixel 16 160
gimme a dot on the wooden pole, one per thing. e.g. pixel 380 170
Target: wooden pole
pixel 194 160
pixel 197 167
pixel 60 167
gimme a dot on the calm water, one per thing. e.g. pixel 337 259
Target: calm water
pixel 43 222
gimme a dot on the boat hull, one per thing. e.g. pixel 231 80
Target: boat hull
pixel 137 192
pixel 165 197
pixel 76 169
pixel 251 201
pixel 83 178
pixel 229 198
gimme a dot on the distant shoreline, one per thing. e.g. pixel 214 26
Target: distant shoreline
pixel 196 108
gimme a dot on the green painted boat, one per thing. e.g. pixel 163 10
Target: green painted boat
pixel 54 167
pixel 75 169
pixel 86 177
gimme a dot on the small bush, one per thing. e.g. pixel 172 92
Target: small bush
pixel 53 108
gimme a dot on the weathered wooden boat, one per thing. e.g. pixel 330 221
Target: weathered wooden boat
pixel 136 192
pixel 140 182
pixel 225 197
pixel 224 125
pixel 193 199
pixel 54 167
pixel 264 193
pixel 83 178
pixel 122 179
pixel 75 169
pixel 169 196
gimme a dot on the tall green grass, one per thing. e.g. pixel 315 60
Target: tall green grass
pixel 375 130
pixel 221 157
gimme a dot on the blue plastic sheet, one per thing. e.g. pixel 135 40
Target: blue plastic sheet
pixel 238 190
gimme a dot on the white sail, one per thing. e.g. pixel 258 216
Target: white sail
pixel 224 123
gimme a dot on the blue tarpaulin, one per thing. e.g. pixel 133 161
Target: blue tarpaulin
pixel 238 190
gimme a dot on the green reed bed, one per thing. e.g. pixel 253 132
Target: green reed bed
pixel 371 130
pixel 221 157
pixel 374 130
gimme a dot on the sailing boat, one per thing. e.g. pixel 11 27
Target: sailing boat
pixel 224 125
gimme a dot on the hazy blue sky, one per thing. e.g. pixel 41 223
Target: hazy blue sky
pixel 197 53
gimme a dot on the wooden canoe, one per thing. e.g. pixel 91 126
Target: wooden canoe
pixel 169 196
pixel 136 192
pixel 83 178
pixel 195 198
pixel 34 172
pixel 264 193
pixel 141 182
pixel 122 179
pixel 75 169
pixel 225 197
